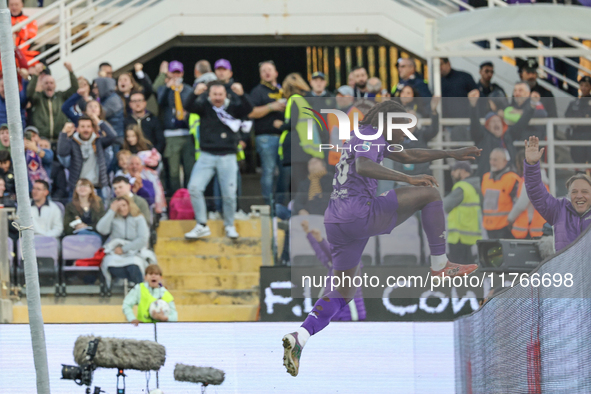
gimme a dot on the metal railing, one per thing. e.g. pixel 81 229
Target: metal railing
pixel 66 25
pixel 550 143
pixel 442 8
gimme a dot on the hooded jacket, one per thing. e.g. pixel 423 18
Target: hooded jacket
pixel 49 122
pixel 112 104
pixel 558 212
pixel 67 146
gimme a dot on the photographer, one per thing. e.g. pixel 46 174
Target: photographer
pixel 569 218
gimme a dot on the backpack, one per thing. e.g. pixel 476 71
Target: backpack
pixel 180 207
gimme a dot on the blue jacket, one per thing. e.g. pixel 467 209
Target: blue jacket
pixel 167 108
pixel 23 97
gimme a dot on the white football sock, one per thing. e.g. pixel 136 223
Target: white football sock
pixel 303 336
pixel 438 262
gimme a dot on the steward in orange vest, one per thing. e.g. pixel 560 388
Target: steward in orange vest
pixel 499 189
pixel 529 221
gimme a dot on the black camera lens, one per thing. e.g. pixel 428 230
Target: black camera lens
pixel 71 372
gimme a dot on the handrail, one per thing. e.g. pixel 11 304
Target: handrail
pixel 94 18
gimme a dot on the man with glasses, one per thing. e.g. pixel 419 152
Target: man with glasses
pixel 269 105
pixel 146 121
pixel 409 76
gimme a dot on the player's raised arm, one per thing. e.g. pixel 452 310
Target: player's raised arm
pixel 415 156
pixel 368 168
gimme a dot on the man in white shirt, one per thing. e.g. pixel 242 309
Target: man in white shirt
pixel 47 217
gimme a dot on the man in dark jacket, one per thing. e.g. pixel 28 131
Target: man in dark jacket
pixel 112 104
pixel 86 149
pixel 180 147
pixel 408 76
pixel 219 136
pixel 580 108
pixel 528 73
pixel 314 192
pixel 495 133
pixel 148 123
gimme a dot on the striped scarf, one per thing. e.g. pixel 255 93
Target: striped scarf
pixel 178 102
pixel 315 187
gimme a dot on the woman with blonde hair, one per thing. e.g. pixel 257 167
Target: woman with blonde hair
pixel 135 141
pixel 84 211
pixel 127 254
pixel 295 150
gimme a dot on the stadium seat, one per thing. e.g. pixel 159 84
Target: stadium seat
pixel 61 207
pixel 47 252
pixel 75 247
pixel 403 245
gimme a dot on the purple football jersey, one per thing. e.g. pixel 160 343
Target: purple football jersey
pixel 352 193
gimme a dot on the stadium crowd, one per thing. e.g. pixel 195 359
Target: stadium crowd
pixel 101 163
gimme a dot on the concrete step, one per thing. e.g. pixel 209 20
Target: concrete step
pixel 211 281
pixel 114 314
pixel 178 228
pixel 216 297
pixel 197 264
pixel 210 246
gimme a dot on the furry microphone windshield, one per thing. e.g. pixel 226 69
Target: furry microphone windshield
pixel 205 375
pixel 122 353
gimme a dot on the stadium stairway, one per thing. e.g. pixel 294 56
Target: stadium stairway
pixel 211 279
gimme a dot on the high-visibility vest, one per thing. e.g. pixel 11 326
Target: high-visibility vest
pixel 146 299
pixel 497 200
pixel 333 128
pixel 463 222
pixel 194 123
pixel 310 147
pixel 522 226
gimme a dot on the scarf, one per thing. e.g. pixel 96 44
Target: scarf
pixel 178 102
pixel 227 119
pixel 86 147
pixel 315 187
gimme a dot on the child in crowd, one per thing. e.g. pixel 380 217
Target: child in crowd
pixel 4 138
pixel 144 294
pixel 123 157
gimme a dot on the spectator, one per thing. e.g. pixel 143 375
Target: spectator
pixel 128 83
pixel 512 114
pixel 59 181
pixel 148 124
pixel 122 188
pixel 46 105
pixel 22 96
pixel 351 80
pixel 105 70
pixel 7 172
pixel 4 138
pixel 321 98
pixel 144 165
pixel 135 141
pixel 47 218
pixel 297 145
pixel 45 146
pixel 223 70
pixel 499 189
pixel 144 294
pixel 423 135
pixel 410 98
pixel 123 157
pixel 528 73
pixel 495 133
pixel 86 146
pixel 314 193
pixel 409 76
pixel 360 75
pixel 526 220
pixel 269 105
pixel 112 105
pixel 140 185
pixel 354 310
pixel 6 200
pixel 180 147
pixel 203 73
pixel 37 159
pixel 85 210
pixel 455 86
pixel 219 136
pixel 498 97
pixel 578 108
pixel 26 32
pixel 127 253
pixel 569 216
pixel 464 215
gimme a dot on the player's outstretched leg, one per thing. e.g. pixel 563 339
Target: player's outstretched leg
pixel 323 311
pixel 428 200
